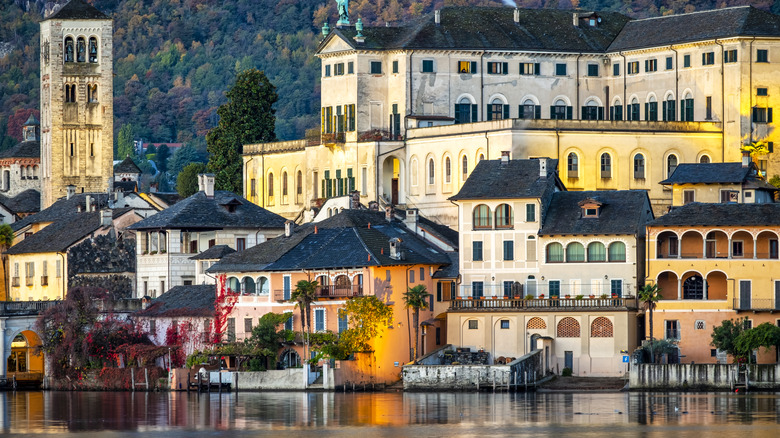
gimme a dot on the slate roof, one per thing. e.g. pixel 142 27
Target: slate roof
pixel 621 212
pixel 201 212
pixel 178 301
pixel 515 179
pixel 450 271
pixel 492 28
pixel 127 166
pixel 216 252
pixel 63 233
pixel 711 173
pixel 78 10
pixel 701 214
pixel 29 201
pixel 696 26
pixel 342 241
pixel 443 232
pixel 25 149
pixel 62 208
pixel 126 186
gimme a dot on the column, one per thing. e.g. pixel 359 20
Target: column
pixel 679 288
pixel 704 281
pixel 5 344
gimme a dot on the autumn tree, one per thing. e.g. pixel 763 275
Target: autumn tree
pixel 368 316
pixel 247 117
pixel 187 181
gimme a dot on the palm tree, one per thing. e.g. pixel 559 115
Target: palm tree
pixel 416 298
pixel 303 295
pixel 649 294
pixel 6 240
pixel 756 148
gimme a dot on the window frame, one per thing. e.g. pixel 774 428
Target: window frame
pixel 762 55
pixel 427 66
pixel 605 165
pixel 632 68
pixel 375 67
pixel 508 250
pixel 561 69
pixel 593 70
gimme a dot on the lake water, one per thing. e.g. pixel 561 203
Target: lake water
pixel 392 414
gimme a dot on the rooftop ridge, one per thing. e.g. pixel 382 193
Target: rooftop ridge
pixel 691 13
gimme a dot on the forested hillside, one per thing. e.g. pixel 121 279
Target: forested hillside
pixel 174 59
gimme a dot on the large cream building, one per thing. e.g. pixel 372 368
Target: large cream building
pixel 619 102
pixel 77 125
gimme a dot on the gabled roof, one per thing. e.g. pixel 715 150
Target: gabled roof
pixel 621 212
pixel 179 301
pixel 201 212
pixel 63 233
pixel 697 26
pixel 216 252
pixel 701 214
pixel 63 208
pixel 127 166
pixel 78 10
pixel 25 149
pixel 29 201
pixel 711 173
pixel 491 28
pixel 515 179
pixel 450 271
pixel 342 241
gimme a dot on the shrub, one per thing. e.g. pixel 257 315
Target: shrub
pixel 566 372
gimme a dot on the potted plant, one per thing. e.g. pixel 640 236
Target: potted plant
pixel 591 296
pixel 541 296
pixel 603 296
pixel 578 297
pixel 567 296
pixel 529 297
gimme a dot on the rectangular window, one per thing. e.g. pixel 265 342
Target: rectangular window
pixel 477 289
pixel 616 288
pixel 762 115
pixel 762 55
pixel 395 67
pixel 476 251
pixel 376 67
pixel 708 108
pixel 411 276
pixel 497 68
pixel 651 65
pixel 287 287
pixel 762 92
pixel 555 288
pixel 505 324
pixel 508 289
pixel 615 69
pixel 672 329
pixel 338 69
pixel 473 324
pixel 438 335
pixel 633 67
pixel 467 67
pixel 708 58
pixel 593 70
pixel 737 248
pixel 669 61
pixel 231 329
pixel 327 71
pixel 350 67
pixel 686 61
pixel 240 243
pixel 730 56
pixel 688 196
pixel 427 66
pixel 509 250
pixel 288 325
pixel 530 212
pixel 343 322
pixel 530 249
pixel 673 246
pixel 248 326
pixel 560 69
pixel 319 320
pixel 529 68
pixel 422 274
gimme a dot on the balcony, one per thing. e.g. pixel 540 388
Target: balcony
pixel 757 305
pixel 20 308
pixel 332 291
pixel 544 305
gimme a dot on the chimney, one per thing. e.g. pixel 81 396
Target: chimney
pixel 70 189
pixel 119 197
pixel 354 203
pixel 206 184
pixel 395 248
pixel 88 204
pixel 517 15
pixel 389 213
pixel 106 217
pixel 745 159
pixel 288 228
pixel 201 184
pixel 315 229
pixel 576 19
pixel 542 167
pixel 410 221
pixel 437 16
pixel 504 157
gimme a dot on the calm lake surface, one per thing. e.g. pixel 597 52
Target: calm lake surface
pixel 397 414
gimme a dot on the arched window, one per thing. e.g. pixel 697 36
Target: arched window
pixel 559 110
pixel 270 187
pixel 81 50
pixel 482 216
pixel 591 111
pixel 575 252
pixel 669 109
pixel 263 286
pixel 693 288
pixel 568 328
pixel 93 56
pixel 601 327
pixel 234 285
pixel 497 110
pixel 572 165
pixel 651 109
pixel 633 110
pixel 528 110
pixel 284 184
pixel 431 168
pixel 671 164
pixel 248 286
pixel 555 253
pixel 597 252
pixel 686 111
pixel 481 157
pixel 504 216
pixel 639 166
pixel 69 49
pixel 536 323
pixel 606 165
pixel 70 93
pixel 92 93
pixel 705 159
pixel 465 167
pixel 447 170
pixel 617 252
pixel 413 165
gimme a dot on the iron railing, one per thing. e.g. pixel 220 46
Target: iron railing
pixel 556 304
pixel 331 291
pixel 25 307
pixel 755 304
pixel 547 290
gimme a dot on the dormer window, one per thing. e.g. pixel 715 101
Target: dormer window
pixel 591 208
pixel 591 212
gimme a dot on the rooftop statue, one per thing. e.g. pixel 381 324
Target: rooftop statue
pixel 343 6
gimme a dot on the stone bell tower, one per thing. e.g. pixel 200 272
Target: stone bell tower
pixel 77 112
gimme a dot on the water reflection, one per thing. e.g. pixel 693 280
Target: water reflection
pixel 404 413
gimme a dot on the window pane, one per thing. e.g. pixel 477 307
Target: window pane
pixel 617 252
pixel 575 252
pixel 597 252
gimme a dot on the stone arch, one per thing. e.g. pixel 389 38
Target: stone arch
pixel 568 327
pixel 593 101
pixel 601 327
pixel 470 99
pixel 248 286
pixel 536 323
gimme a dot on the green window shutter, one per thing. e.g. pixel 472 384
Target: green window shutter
pixel 473 67
pixel 612 113
pixel 489 114
pixel 769 115
pixel 538 112
pixel 663 110
pixel 537 68
pixel 601 113
pixel 647 111
pixel 552 111
pixel 474 112
pixel 682 110
pixel 568 113
pixel 506 111
pixel 520 112
pixel 505 68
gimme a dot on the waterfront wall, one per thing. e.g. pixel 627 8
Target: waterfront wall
pixel 289 379
pixel 701 376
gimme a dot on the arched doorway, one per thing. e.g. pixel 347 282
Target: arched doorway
pixel 342 287
pixel 248 286
pixel 392 187
pixel 23 364
pixel 693 288
pixel 289 359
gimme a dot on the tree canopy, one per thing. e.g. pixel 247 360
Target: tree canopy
pixel 247 117
pixel 368 316
pixel 187 181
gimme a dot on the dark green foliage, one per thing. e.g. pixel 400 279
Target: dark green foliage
pixel 163 153
pixel 724 336
pixel 566 372
pixel 183 156
pixel 124 143
pixel 247 117
pixel 187 181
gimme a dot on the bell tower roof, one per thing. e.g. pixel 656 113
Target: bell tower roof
pixel 78 10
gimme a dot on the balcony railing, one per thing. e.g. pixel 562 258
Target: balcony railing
pixel 547 290
pixel 720 255
pixel 332 291
pixel 545 304
pixel 757 304
pixel 25 307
